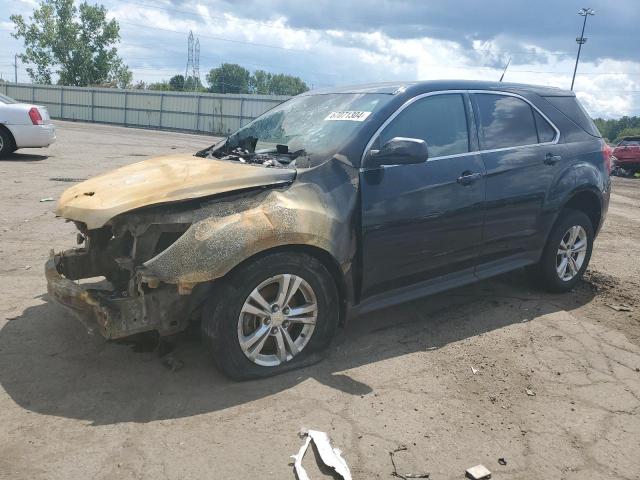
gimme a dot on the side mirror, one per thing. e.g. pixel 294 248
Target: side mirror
pixel 400 151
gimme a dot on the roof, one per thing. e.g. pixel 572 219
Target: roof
pixel 418 87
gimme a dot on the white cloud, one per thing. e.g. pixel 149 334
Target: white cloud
pixel 154 45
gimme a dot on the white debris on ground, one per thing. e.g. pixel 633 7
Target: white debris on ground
pixel 332 457
pixel 479 472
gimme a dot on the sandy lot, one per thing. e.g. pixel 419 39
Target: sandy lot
pixel 73 406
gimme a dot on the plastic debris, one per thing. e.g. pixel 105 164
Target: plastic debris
pixel 47 199
pixel 332 457
pixel 530 392
pixel 502 461
pixel 27 267
pixel 479 472
pixel 474 370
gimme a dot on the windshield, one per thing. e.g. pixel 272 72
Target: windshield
pixel 5 99
pixel 307 127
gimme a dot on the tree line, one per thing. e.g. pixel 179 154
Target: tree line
pixel 233 78
pixel 78 45
pixel 614 130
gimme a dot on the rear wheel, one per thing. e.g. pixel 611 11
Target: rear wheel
pixel 6 143
pixel 567 253
pixel 271 316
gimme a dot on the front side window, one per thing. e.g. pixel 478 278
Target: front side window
pixel 505 121
pixel 439 120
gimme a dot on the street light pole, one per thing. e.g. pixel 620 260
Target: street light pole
pixel 585 12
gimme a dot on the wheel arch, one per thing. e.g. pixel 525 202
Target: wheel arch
pixel 6 129
pixel 589 201
pixel 345 293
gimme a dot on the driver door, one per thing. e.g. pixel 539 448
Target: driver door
pixel 422 223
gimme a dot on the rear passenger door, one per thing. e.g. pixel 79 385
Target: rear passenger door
pixel 521 157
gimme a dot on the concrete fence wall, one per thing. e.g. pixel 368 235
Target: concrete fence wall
pixel 212 113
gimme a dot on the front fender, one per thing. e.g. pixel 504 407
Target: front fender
pixel 211 247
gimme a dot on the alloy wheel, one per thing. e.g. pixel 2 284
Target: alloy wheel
pixel 571 253
pixel 277 320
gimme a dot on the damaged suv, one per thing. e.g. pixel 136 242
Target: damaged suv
pixel 333 204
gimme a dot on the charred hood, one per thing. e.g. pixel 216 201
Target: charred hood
pixel 161 180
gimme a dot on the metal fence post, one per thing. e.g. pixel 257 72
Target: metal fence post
pixel 161 108
pixel 241 111
pixel 126 96
pixel 62 102
pixel 92 103
pixel 33 94
pixel 198 112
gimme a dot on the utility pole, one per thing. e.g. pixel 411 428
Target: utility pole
pixel 15 68
pixel 581 40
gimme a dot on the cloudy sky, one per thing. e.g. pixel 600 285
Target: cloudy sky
pixel 333 42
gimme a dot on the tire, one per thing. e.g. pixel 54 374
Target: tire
pixel 6 143
pixel 545 273
pixel 225 319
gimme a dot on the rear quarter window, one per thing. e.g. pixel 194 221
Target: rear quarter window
pixel 572 109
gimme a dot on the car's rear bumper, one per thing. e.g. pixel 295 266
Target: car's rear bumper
pixel 33 136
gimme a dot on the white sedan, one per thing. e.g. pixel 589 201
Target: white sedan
pixel 23 125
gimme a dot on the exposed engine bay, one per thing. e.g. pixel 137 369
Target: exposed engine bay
pixel 244 151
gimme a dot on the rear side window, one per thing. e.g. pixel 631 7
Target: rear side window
pixel 629 143
pixel 505 121
pixel 572 108
pixel 439 120
pixel 546 132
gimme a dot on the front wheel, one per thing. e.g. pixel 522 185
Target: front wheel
pixel 271 315
pixel 567 253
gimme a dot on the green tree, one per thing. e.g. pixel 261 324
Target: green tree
pixel 260 82
pixel 229 78
pixel 627 132
pixel 76 43
pixel 163 86
pixel 177 82
pixel 192 84
pixel 282 84
pixel 612 129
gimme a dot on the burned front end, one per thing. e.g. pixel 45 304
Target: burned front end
pixel 113 298
pixel 155 237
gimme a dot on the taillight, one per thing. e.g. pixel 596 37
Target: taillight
pixel 35 116
pixel 607 152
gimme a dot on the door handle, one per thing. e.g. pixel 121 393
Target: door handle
pixel 467 178
pixel 551 159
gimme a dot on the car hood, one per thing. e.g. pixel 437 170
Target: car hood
pixel 161 180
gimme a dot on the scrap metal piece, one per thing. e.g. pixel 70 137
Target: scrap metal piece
pixel 332 457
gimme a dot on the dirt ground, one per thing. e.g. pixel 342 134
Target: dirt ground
pixel 74 406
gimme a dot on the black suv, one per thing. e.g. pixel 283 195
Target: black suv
pixel 337 202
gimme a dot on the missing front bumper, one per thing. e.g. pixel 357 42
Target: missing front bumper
pixel 116 316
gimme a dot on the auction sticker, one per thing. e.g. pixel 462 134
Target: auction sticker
pixel 352 116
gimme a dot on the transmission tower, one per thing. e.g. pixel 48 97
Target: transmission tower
pixel 196 65
pixel 190 67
